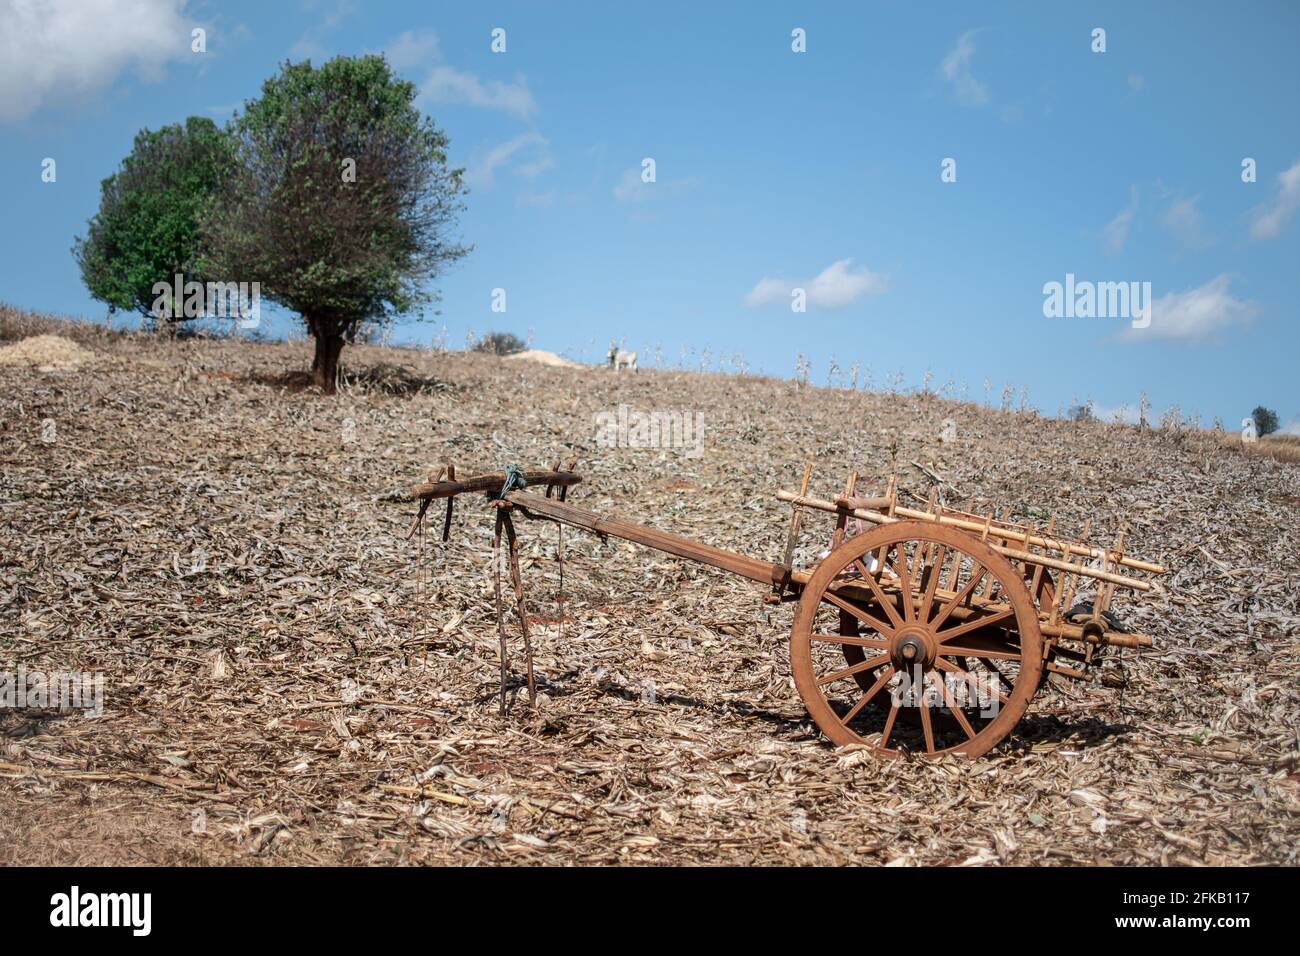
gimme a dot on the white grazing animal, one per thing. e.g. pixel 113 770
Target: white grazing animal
pixel 620 359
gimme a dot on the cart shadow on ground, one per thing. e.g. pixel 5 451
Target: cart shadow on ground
pixel 33 722
pixel 1079 733
pixel 517 696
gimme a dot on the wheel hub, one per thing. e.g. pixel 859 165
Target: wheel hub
pixel 912 647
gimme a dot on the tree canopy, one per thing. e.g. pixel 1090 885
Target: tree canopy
pixel 1265 420
pixel 147 227
pixel 341 200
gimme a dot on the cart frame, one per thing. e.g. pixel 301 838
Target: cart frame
pixel 947 620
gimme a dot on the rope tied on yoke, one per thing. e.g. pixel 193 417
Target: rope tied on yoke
pixel 514 479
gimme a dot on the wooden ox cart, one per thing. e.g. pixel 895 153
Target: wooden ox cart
pixel 917 630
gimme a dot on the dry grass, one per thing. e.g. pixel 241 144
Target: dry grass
pixel 1277 447
pixel 229 553
pixel 17 324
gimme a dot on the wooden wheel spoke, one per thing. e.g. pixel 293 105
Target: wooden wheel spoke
pixel 976 575
pixel 952 705
pixel 983 645
pixel 889 724
pixel 869 664
pixel 951 668
pixel 936 572
pixel 1002 678
pixel 905 578
pixel 850 639
pixel 884 601
pixel 870 620
pixel 974 625
pixel 951 651
pixel 927 725
pixel 869 694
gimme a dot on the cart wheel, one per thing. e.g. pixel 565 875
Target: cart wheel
pixel 967 603
pixel 854 654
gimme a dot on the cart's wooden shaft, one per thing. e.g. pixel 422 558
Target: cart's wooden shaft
pixel 753 568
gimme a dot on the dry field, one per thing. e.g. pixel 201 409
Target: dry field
pixel 1280 447
pixel 288 681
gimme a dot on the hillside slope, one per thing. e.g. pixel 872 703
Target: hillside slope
pixel 287 680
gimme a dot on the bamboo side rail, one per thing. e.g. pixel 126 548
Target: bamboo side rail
pixel 1006 534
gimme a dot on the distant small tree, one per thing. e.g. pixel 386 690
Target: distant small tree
pixel 342 202
pixel 1265 420
pixel 500 343
pixel 1081 413
pixel 147 227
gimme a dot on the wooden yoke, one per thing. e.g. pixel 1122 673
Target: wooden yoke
pixel 492 481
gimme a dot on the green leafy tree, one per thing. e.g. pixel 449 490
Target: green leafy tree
pixel 1265 420
pixel 342 201
pixel 147 227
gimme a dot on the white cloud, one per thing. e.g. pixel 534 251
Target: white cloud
pixel 1291 429
pixel 482 172
pixel 1184 220
pixel 66 49
pixel 533 169
pixel 311 45
pixel 956 70
pixel 631 189
pixel 1195 314
pixel 1271 220
pixel 834 287
pixel 412 49
pixel 838 285
pixel 767 291
pixel 1115 234
pixel 1136 82
pixel 446 84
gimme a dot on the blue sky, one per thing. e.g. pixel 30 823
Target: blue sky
pixel 774 171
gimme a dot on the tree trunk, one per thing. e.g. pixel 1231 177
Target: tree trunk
pixel 325 363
